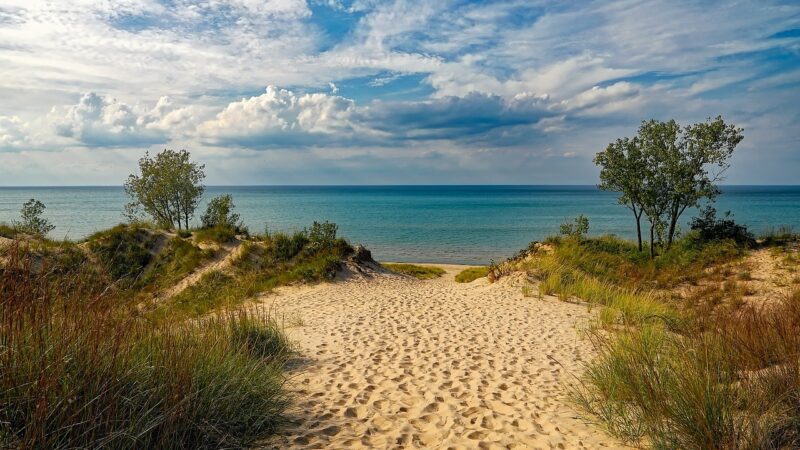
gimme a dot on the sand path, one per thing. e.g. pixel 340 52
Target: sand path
pixel 394 362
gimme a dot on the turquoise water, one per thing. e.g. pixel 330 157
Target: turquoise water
pixel 455 224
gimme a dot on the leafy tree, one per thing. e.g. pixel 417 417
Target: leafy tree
pixel 219 213
pixel 168 189
pixel 622 165
pixel 694 162
pixel 666 169
pixel 578 228
pixel 31 220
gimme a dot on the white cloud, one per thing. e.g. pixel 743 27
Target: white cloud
pixel 279 116
pixel 13 133
pixel 97 120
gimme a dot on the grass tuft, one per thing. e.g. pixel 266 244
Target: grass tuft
pixel 472 274
pixel 418 272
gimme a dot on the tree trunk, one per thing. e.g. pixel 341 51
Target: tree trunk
pixel 639 230
pixel 652 242
pixel 673 221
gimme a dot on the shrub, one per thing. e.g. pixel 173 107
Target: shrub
pixel 285 247
pixel 709 228
pixel 219 213
pixel 577 228
pixel 31 220
pixel 322 234
pixel 472 274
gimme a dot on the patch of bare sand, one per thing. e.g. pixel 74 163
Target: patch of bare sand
pixel 387 361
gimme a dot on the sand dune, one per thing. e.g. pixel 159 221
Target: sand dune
pixel 393 362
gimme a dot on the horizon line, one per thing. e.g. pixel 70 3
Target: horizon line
pixel 361 185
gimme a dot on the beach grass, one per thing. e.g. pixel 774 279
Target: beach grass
pixel 416 271
pixel 472 274
pixel 81 371
pixel 703 369
pixel 90 360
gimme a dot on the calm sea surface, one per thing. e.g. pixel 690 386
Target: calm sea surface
pixel 456 224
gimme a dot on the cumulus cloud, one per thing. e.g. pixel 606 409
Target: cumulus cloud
pixel 97 120
pixel 13 134
pixel 282 117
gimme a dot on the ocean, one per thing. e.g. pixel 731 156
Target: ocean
pixel 445 224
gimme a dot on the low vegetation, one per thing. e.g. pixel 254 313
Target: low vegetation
pixel 81 370
pixel 472 274
pixel 418 272
pixel 87 361
pixel 683 361
pixel 277 259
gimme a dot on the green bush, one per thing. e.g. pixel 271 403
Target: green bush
pixel 31 220
pixel 285 247
pixel 577 228
pixel 322 234
pixel 709 228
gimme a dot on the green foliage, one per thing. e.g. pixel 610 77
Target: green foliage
pixel 709 228
pixel 80 371
pixel 666 169
pixel 285 247
pixel 577 228
pixel 262 266
pixel 124 250
pixel 31 220
pixel 219 213
pixel 472 274
pixel 675 375
pixel 419 272
pixel 622 166
pixel 168 189
pixel 322 234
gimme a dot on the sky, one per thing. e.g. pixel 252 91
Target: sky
pixel 386 92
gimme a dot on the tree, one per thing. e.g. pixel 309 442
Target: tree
pixel 695 162
pixel 219 213
pixel 31 220
pixel 666 169
pixel 622 165
pixel 168 189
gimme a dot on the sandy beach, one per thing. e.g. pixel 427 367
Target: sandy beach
pixel 388 361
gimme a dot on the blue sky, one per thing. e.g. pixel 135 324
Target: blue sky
pixel 386 92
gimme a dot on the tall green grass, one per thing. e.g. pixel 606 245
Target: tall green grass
pixel 672 374
pixel 78 369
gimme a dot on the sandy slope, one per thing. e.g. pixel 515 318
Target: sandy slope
pixel 393 362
